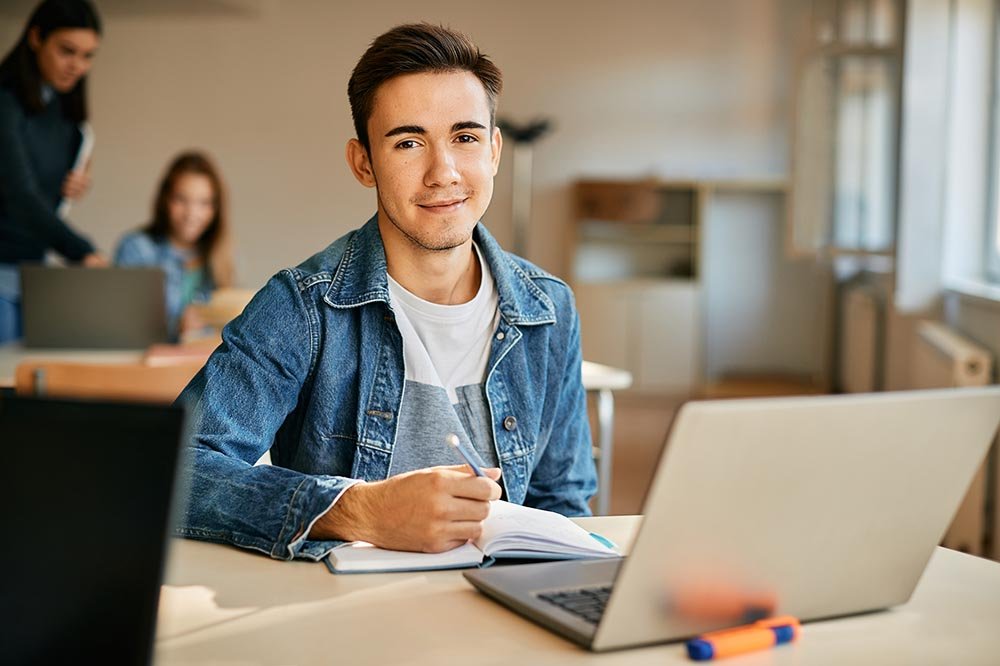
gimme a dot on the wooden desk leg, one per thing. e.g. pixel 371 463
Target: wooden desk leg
pixel 605 424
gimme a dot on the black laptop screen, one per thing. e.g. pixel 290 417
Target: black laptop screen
pixel 85 493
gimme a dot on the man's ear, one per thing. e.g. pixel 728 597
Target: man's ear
pixel 496 146
pixel 360 163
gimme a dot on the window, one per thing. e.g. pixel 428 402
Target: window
pixel 992 244
pixel 844 155
pixel 993 247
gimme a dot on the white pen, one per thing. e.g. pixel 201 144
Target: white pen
pixel 453 441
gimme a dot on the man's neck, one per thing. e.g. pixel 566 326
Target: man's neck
pixel 445 277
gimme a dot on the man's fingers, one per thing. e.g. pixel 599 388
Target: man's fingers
pixel 474 488
pixel 491 472
pixel 461 509
pixel 463 468
pixel 462 531
pixel 451 534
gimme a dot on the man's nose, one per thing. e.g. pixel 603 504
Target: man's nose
pixel 442 169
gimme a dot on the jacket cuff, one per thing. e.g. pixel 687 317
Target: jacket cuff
pixel 312 498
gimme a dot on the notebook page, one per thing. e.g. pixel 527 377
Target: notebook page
pixel 520 528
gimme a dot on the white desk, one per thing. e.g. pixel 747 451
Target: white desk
pixel 222 605
pixel 602 380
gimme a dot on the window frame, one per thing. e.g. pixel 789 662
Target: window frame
pixel 991 244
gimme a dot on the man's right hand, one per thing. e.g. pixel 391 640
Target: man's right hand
pixel 428 510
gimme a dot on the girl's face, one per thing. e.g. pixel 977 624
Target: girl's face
pixel 191 207
pixel 65 56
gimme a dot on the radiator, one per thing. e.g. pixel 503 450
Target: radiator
pixel 943 358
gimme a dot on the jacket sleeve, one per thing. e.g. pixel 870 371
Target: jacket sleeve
pixel 28 210
pixel 564 478
pixel 236 405
pixel 133 251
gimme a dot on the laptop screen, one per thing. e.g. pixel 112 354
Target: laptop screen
pixel 107 308
pixel 84 510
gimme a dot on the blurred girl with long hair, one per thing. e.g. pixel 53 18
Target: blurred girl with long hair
pixel 188 237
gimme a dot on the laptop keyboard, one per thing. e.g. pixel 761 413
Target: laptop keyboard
pixel 586 602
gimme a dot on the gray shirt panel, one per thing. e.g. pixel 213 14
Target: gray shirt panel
pixel 427 417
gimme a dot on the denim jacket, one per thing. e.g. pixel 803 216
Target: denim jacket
pixel 142 249
pixel 313 370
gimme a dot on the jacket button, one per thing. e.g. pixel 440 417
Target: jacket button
pixel 500 335
pixel 509 423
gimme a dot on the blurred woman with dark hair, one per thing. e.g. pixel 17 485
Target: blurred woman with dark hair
pixel 188 238
pixel 43 109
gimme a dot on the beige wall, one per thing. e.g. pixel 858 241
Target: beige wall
pixel 670 87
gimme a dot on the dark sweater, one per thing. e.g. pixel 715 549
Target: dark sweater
pixel 36 153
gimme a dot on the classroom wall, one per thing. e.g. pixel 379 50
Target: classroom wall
pixel 677 88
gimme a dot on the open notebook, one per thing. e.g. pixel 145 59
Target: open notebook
pixel 510 530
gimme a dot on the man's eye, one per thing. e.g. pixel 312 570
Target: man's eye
pixel 467 138
pixel 409 143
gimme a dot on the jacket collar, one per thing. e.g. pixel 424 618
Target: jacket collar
pixel 360 277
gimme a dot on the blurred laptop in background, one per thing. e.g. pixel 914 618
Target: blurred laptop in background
pixel 86 308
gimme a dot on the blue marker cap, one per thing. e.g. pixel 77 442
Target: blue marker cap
pixel 699 650
pixel 783 634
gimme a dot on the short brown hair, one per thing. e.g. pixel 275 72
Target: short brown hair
pixel 411 49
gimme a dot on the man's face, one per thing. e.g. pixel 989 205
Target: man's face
pixel 433 157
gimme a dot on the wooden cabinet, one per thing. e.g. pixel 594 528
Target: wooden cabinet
pixel 686 284
pixel 648 327
pixel 635 266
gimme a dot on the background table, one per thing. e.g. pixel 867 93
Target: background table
pixel 14 353
pixel 221 605
pixel 602 380
pixel 598 379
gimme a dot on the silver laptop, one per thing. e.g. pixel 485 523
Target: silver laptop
pixel 93 308
pixel 813 506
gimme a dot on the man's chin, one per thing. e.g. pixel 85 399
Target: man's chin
pixel 442 244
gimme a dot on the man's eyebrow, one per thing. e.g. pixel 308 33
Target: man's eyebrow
pixel 417 129
pixel 467 125
pixel 406 129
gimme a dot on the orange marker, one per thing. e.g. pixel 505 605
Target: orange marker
pixel 757 636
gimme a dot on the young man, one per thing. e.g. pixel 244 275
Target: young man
pixel 354 367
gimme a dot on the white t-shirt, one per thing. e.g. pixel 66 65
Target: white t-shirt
pixel 446 349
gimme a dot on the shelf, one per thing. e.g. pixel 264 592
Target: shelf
pixel 750 186
pixel 643 229
pixel 638 281
pixel 635 232
pixel 857 50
